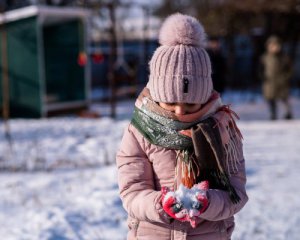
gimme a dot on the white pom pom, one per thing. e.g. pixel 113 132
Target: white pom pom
pixel 182 29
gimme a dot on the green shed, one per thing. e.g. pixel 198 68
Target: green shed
pixel 44 51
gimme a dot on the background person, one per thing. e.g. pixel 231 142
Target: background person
pixel 276 71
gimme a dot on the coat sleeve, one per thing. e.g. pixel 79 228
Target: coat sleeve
pixel 136 180
pixel 220 206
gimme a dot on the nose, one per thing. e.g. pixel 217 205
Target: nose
pixel 180 110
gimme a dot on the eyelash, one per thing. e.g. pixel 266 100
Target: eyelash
pixel 191 104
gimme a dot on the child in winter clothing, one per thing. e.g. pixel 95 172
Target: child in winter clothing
pixel 181 169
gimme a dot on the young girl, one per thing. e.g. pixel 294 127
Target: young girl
pixel 181 169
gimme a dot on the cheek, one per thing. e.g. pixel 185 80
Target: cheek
pixel 169 108
pixel 193 109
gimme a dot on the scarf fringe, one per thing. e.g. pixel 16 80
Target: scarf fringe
pixel 232 148
pixel 189 168
pixel 189 175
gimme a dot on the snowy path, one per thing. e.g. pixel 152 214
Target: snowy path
pixel 84 204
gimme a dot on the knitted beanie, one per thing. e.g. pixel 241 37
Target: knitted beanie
pixel 180 69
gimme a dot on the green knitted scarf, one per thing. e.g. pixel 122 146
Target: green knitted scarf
pixel 161 131
pixel 202 153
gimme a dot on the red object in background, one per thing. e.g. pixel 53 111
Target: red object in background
pixel 97 58
pixel 82 59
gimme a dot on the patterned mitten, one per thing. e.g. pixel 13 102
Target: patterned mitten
pixel 200 202
pixel 172 206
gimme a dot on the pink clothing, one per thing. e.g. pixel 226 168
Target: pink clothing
pixel 180 68
pixel 143 169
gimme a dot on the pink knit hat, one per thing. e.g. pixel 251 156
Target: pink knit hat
pixel 180 69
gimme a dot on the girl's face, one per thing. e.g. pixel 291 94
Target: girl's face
pixel 180 108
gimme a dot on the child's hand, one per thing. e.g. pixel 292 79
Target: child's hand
pixel 172 206
pixel 200 203
pixel 186 204
pixel 201 196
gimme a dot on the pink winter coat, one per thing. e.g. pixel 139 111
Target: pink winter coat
pixel 143 169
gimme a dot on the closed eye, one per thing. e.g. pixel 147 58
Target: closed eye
pixel 170 104
pixel 190 104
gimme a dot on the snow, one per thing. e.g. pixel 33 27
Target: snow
pixel 71 191
pixel 188 197
pixel 272 157
pixel 61 143
pixel 77 204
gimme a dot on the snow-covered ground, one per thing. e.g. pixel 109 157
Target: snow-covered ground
pixel 78 198
pixel 273 166
pixel 57 143
pixel 74 205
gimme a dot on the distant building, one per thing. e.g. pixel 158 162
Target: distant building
pixel 45 55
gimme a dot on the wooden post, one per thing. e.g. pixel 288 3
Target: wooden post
pixel 5 84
